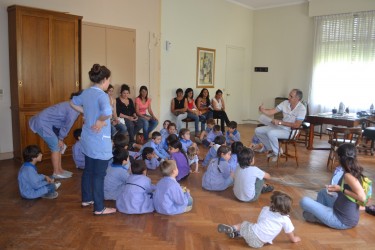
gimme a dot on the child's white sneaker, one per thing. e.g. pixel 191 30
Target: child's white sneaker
pixel 57 185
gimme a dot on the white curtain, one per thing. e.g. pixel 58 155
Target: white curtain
pixel 344 62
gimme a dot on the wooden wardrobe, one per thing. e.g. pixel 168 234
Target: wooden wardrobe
pixel 44 61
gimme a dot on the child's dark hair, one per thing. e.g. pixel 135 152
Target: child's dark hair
pixel 216 128
pixel 166 121
pixel 77 133
pixel 232 125
pixel 220 140
pixel 191 152
pixel 171 124
pixel 245 157
pixel 167 167
pixel 177 144
pixel 222 150
pixel 120 140
pixel 237 147
pixel 171 138
pixel 281 202
pixel 155 134
pixel 120 154
pixel 138 167
pixel 211 121
pixel 183 131
pixel 146 151
pixel 30 152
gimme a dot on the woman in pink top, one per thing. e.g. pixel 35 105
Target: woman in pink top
pixel 142 105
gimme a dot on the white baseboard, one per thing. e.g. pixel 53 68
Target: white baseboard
pixel 6 156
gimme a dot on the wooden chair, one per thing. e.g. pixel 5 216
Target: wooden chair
pixel 306 129
pixel 291 140
pixel 187 120
pixel 368 134
pixel 339 136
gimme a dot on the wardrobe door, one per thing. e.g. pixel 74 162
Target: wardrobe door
pixel 33 58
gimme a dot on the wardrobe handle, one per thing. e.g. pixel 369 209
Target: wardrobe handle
pixel 20 83
pixel 77 84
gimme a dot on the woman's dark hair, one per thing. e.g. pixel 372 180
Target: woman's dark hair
pixel 347 153
pixel 110 86
pixel 236 147
pixel 138 167
pixel 187 91
pixel 222 150
pixel 30 152
pixel 119 155
pixel 179 90
pixel 220 139
pixel 140 90
pixel 124 87
pixel 281 202
pixel 77 133
pixel 245 157
pixel 201 96
pixel 146 151
pixel 99 73
pixel 218 92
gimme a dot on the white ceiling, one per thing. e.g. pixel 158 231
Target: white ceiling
pixel 265 4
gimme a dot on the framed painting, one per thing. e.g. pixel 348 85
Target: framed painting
pixel 205 67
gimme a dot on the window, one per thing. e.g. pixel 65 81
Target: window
pixel 344 62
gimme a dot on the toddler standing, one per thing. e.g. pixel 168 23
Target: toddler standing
pixel 169 198
pixel 272 219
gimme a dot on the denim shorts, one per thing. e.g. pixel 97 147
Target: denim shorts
pixel 52 141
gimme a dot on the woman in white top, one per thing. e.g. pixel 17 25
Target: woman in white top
pixel 218 107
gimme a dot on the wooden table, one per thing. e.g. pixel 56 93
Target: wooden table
pixel 350 120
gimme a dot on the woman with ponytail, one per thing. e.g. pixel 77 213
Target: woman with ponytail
pixel 337 211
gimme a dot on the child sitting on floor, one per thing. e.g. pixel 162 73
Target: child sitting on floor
pixel 232 133
pixel 236 148
pixel 117 174
pixel 155 143
pixel 215 132
pixel 136 198
pixel 78 156
pixel 218 176
pixel 185 139
pixel 249 179
pixel 169 198
pixel 178 154
pixel 210 124
pixel 271 220
pixel 164 131
pixel 218 141
pixel 150 158
pixel 193 159
pixel 31 184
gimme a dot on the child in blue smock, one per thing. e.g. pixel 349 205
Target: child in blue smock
pixel 215 132
pixel 185 139
pixel 212 152
pixel 232 134
pixel 155 143
pixel 150 158
pixel 117 174
pixel 236 148
pixel 78 156
pixel 169 197
pixel 31 184
pixel 136 198
pixel 164 131
pixel 218 176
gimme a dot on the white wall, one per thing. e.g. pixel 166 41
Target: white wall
pixel 210 24
pixel 283 42
pixel 142 15
pixel 329 7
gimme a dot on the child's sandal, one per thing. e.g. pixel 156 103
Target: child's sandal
pixel 223 228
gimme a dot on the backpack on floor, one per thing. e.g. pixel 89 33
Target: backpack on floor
pixel 366 184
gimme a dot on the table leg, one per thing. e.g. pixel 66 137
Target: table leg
pixel 311 137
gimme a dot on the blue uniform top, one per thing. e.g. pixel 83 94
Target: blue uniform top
pixel 31 184
pixel 95 103
pixel 78 156
pixel 185 144
pixel 169 199
pixel 159 150
pixel 115 180
pixel 61 116
pixel 235 137
pixel 217 175
pixel 212 135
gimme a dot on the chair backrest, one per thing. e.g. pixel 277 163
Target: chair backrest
pixel 341 135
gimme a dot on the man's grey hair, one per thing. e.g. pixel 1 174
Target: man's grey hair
pixel 299 93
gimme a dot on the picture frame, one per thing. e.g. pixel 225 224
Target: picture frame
pixel 206 67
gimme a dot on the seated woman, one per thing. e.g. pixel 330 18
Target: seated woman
pixel 125 109
pixel 203 103
pixel 192 110
pixel 218 107
pixel 116 125
pixel 337 211
pixel 142 105
pixel 179 107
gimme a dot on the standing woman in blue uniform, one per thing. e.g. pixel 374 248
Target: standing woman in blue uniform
pixel 96 138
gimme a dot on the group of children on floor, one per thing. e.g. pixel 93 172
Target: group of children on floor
pixel 228 163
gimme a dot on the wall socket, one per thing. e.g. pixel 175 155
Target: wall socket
pixel 261 69
pixel 1 91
